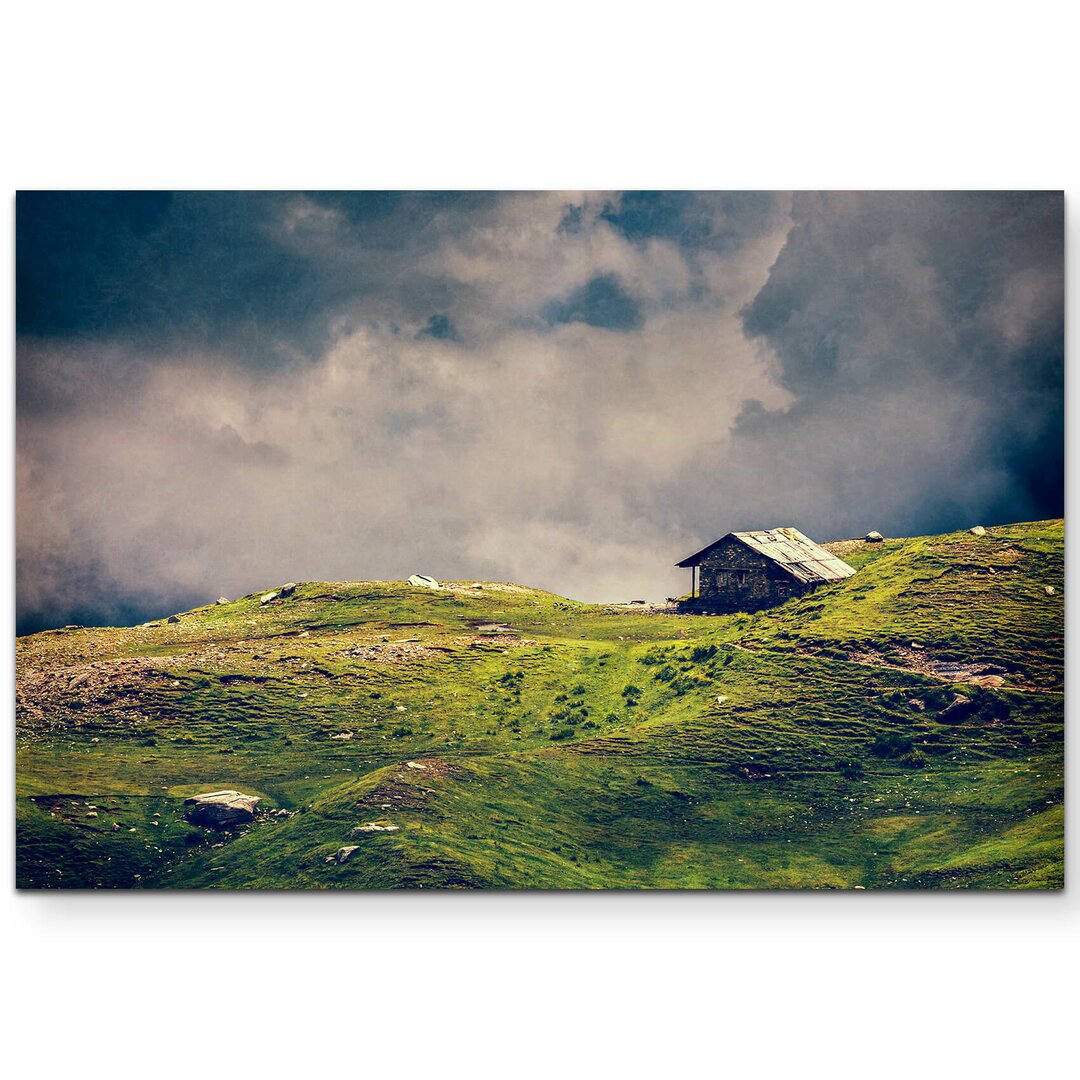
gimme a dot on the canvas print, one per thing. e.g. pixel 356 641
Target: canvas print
pixel 539 540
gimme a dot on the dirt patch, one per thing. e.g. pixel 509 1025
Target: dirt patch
pixel 391 652
pixel 924 663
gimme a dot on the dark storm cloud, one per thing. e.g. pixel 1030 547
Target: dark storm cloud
pixel 260 277
pixel 691 218
pixel 602 302
pixel 889 309
pixel 441 328
pixel 220 391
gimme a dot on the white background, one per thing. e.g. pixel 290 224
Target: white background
pixel 552 95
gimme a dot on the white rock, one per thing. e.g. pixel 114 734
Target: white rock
pixel 221 809
pixel 978 530
pixel 268 597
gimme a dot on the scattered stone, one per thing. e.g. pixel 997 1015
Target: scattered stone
pixel 342 854
pixel 476 585
pixel 425 581
pixel 720 699
pixel 91 813
pixel 220 809
pixel 342 735
pixel 917 704
pixel 74 626
pixel 373 827
pixel 1050 590
pixel 268 597
pixel 147 625
pixel 116 827
pixel 873 537
pixel 978 530
pixel 222 600
pixel 988 682
pixel 173 618
pixel 414 765
pixel 957 709
pixel 287 589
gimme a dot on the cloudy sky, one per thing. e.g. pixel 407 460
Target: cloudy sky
pixel 219 392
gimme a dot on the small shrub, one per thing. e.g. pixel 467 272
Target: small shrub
pixel 700 653
pixel 851 770
pixel 891 746
pixel 562 733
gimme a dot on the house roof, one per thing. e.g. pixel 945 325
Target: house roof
pixel 790 550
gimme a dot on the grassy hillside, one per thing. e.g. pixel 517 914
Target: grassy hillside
pixel 902 728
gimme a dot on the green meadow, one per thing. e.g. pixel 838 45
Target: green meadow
pixel 899 729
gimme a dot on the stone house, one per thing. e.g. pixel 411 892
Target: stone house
pixel 747 571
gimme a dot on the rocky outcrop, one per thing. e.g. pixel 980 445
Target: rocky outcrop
pixel 220 809
pixel 342 854
pixel 960 708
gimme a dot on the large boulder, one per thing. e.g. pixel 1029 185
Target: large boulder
pixel 977 530
pixel 220 809
pixel 960 708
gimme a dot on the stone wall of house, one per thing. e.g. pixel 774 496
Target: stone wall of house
pixel 734 578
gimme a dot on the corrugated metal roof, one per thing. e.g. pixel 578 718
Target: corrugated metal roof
pixel 789 549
